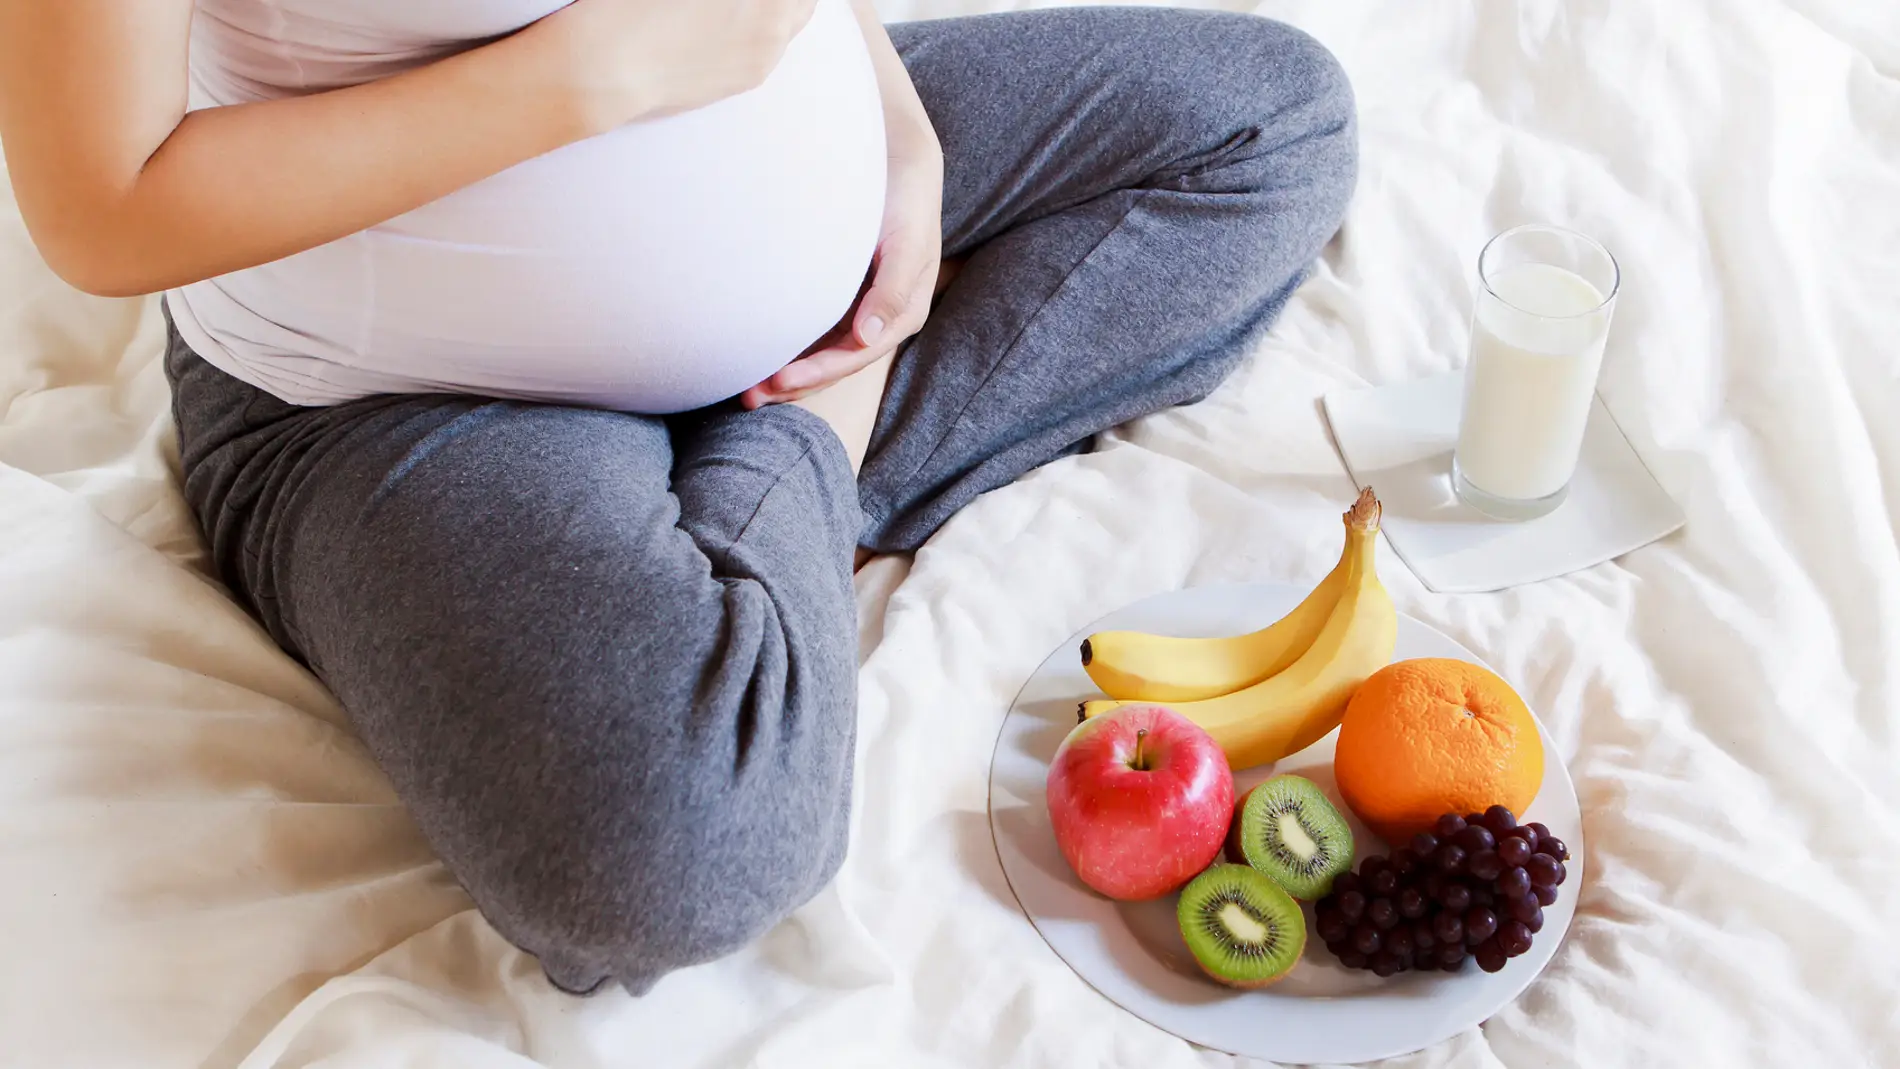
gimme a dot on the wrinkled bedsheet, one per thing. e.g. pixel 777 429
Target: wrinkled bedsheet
pixel 200 866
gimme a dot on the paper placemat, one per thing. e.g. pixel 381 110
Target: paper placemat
pixel 1398 440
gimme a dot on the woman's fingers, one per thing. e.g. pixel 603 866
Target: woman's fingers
pixel 825 367
pixel 893 306
pixel 899 297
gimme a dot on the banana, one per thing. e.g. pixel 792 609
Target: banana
pixel 1139 667
pixel 1296 707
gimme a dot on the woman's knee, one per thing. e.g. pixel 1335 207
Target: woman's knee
pixel 1285 107
pixel 692 889
pixel 647 855
pixel 1297 72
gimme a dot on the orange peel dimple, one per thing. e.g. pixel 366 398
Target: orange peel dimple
pixel 1426 737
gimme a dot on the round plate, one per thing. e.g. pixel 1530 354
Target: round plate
pixel 1133 953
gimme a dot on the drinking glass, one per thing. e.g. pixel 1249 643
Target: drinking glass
pixel 1538 328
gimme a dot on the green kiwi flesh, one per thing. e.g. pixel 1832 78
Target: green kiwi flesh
pixel 1240 926
pixel 1288 830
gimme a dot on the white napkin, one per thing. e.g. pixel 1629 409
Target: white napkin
pixel 1398 440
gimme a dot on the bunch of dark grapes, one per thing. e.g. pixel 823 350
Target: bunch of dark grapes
pixel 1473 887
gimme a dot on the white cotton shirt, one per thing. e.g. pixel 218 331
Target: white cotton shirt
pixel 664 266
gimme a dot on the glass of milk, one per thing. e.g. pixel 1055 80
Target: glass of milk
pixel 1545 297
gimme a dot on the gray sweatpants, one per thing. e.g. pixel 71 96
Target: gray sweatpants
pixel 608 660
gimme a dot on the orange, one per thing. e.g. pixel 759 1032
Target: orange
pixel 1427 737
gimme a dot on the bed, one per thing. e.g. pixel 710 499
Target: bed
pixel 200 866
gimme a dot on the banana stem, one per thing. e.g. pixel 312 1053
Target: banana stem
pixel 1365 512
pixel 1141 756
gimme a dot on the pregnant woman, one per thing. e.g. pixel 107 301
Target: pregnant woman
pixel 485 317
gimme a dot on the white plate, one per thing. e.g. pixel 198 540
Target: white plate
pixel 1133 952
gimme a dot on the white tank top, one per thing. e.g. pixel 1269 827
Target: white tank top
pixel 662 267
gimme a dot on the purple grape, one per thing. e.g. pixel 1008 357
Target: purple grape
pixel 1474 818
pixel 1482 896
pixel 1490 958
pixel 1514 938
pixel 1485 865
pixel 1422 936
pixel 1546 896
pixel 1545 871
pixel 1404 862
pixel 1514 883
pixel 1382 913
pixel 1384 882
pixel 1345 881
pixel 1522 908
pixel 1411 904
pixel 1366 940
pixel 1449 927
pixel 1352 905
pixel 1449 858
pixel 1339 948
pixel 1457 897
pixel 1385 964
pixel 1450 956
pixel 1538 830
pixel 1535 922
pixel 1499 819
pixel 1399 941
pixel 1424 843
pixel 1480 924
pixel 1352 959
pixel 1476 837
pixel 1333 925
pixel 1371 867
pixel 1553 846
pixel 1449 825
pixel 1513 851
pixel 1435 884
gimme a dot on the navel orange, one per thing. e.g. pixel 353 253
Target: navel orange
pixel 1426 737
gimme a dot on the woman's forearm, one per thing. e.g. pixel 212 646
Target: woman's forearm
pixel 234 187
pixel 904 116
pixel 124 193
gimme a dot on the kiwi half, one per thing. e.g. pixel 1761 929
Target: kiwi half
pixel 1288 830
pixel 1242 929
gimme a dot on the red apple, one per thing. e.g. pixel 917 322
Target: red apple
pixel 1140 798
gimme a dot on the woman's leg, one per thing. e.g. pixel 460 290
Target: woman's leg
pixel 610 668
pixel 1137 192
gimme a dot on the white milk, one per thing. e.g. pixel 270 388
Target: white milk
pixel 1531 379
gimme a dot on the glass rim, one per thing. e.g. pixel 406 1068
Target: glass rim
pixel 1616 269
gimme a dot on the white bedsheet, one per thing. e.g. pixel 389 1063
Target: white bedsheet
pixel 199 866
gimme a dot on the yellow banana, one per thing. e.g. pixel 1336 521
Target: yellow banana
pixel 1138 667
pixel 1294 708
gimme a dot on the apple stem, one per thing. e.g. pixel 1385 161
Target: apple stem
pixel 1141 757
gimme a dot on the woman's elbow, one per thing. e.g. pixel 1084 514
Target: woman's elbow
pixel 100 268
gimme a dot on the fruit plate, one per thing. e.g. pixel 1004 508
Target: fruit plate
pixel 1133 953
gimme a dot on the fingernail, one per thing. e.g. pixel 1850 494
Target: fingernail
pixel 872 328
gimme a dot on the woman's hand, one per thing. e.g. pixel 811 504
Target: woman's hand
pixel 910 246
pixel 640 59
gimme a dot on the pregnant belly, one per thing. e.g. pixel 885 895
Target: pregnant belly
pixel 665 266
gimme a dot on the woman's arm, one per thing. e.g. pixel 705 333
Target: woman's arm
pixel 125 193
pixel 910 248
